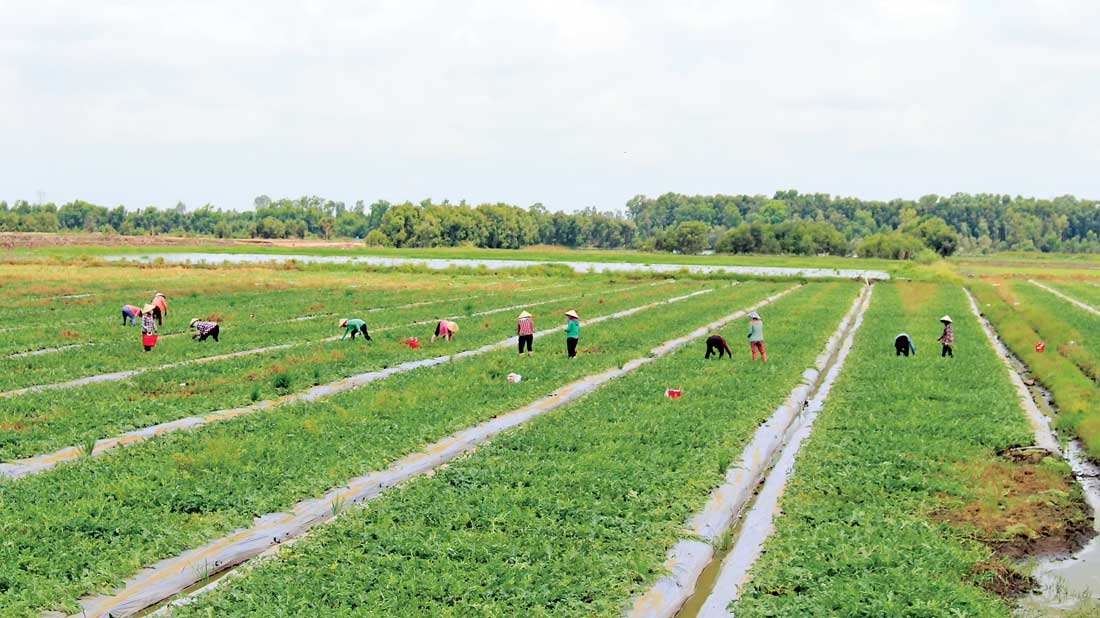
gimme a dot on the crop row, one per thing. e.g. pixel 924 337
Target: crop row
pixel 85 526
pixel 904 498
pixel 1024 315
pixel 39 422
pixel 571 515
pixel 102 325
pixel 125 354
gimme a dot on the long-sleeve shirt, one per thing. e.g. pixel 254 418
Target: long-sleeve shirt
pixel 948 336
pixel 352 326
pixel 912 346
pixel 158 301
pixel 204 328
pixel 524 326
pixel 148 325
pixel 134 311
pixel 756 330
pixel 573 329
pixel 719 342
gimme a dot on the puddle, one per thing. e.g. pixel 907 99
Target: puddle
pixel 437 263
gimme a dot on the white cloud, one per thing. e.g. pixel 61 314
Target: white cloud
pixel 524 101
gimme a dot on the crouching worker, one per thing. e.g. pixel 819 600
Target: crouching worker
pixel 130 312
pixel 204 329
pixel 354 327
pixel 717 345
pixel 903 345
pixel 445 329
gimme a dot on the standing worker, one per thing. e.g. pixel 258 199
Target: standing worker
pixel 160 307
pixel 353 327
pixel 903 345
pixel 525 328
pixel 204 329
pixel 947 338
pixel 445 329
pixel 572 332
pixel 756 336
pixel 131 312
pixel 148 325
pixel 717 345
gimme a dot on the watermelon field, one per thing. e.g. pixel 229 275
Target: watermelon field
pixel 286 471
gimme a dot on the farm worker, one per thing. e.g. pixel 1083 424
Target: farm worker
pixel 947 338
pixel 132 312
pixel 717 345
pixel 756 336
pixel 445 329
pixel 903 344
pixel 572 332
pixel 148 323
pixel 160 307
pixel 525 328
pixel 353 327
pixel 204 329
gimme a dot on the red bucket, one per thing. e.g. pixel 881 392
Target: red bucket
pixel 673 393
pixel 413 342
pixel 149 340
pixel 1039 347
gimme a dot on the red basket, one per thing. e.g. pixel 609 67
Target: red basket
pixel 1039 347
pixel 413 342
pixel 149 340
pixel 674 393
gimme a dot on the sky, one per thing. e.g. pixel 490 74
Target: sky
pixel 571 103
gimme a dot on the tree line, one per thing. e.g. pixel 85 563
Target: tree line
pixel 787 222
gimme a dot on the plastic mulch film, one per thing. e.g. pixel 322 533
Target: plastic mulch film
pixel 688 557
pixel 174 575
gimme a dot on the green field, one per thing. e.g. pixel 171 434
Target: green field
pixel 916 465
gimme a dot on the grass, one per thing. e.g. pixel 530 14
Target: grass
pixel 155 499
pixel 899 502
pixel 569 516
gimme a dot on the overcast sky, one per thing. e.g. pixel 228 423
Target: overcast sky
pixel 571 103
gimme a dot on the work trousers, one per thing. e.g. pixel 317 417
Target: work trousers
pixel 571 346
pixel 157 316
pixel 525 340
pixel 901 348
pixel 363 330
pixel 947 351
pixel 127 314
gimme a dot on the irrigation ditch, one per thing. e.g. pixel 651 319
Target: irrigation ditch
pixel 1065 583
pixel 40 463
pixel 202 569
pixel 700 573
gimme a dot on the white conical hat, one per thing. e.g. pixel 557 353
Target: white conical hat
pixel 524 315
pixel 343 322
pixel 572 314
pixel 946 318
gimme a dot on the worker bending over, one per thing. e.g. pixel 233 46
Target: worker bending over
pixel 204 329
pixel 445 329
pixel 131 312
pixel 160 307
pixel 903 345
pixel 717 345
pixel 353 327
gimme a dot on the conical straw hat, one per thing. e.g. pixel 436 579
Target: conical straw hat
pixel 946 318
pixel 343 322
pixel 524 315
pixel 572 314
